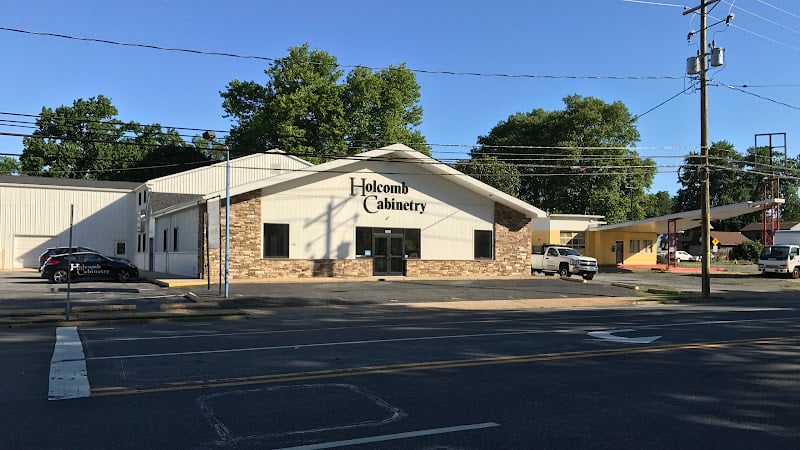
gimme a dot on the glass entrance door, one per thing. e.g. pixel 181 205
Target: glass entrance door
pixel 387 254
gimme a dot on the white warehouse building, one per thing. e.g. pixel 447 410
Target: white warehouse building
pixel 391 211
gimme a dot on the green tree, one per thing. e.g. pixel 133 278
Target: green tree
pixel 658 204
pixel 748 251
pixel 163 153
pixel 492 171
pixel 576 160
pixel 772 174
pixel 79 141
pixel 728 183
pixel 87 141
pixel 790 211
pixel 382 107
pixel 8 166
pixel 303 108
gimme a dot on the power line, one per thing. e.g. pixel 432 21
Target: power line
pixel 746 86
pixel 717 83
pixel 349 66
pixel 779 9
pixel 692 86
pixel 655 3
pixel 761 17
pixel 760 35
pixel 90 120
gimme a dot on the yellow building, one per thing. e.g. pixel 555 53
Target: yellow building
pixel 628 243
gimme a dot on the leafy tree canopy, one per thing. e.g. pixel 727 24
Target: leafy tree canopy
pixel 658 204
pixel 736 177
pixel 8 165
pixel 305 109
pixel 86 140
pixel 492 171
pixel 577 160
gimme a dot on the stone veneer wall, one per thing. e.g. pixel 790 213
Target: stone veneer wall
pixel 512 252
pixel 512 234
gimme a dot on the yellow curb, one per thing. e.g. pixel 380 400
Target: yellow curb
pixel 103 308
pixel 178 282
pixel 489 305
pixel 663 291
pixel 574 280
pixel 173 306
pixel 626 286
pixel 202 282
pixel 31 312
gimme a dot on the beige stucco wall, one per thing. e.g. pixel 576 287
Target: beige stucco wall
pixel 600 245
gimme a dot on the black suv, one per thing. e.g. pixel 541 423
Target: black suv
pixel 61 250
pixel 88 265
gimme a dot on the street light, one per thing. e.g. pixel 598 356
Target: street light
pixel 210 136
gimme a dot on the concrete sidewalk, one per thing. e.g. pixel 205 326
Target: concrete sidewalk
pixel 248 298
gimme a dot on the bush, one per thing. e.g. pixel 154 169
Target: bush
pixel 748 250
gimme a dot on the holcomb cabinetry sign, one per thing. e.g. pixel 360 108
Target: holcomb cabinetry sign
pixel 374 204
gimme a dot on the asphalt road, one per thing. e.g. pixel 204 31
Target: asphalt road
pixel 720 375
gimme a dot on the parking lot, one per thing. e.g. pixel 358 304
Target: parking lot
pixel 27 291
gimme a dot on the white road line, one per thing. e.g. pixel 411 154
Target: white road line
pixel 392 437
pixel 357 327
pixel 325 344
pixel 362 327
pixel 424 338
pixel 68 376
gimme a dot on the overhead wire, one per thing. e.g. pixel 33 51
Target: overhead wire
pixel 779 9
pixel 91 120
pixel 761 17
pixel 353 66
pixel 793 47
pixel 691 87
pixel 762 97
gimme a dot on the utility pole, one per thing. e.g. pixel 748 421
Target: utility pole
pixel 705 217
pixel 630 189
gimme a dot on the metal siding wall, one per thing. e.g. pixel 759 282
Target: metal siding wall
pixel 323 215
pixel 100 217
pixel 186 221
pixel 212 178
pixel 184 260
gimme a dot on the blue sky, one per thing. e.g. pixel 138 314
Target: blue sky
pixel 577 38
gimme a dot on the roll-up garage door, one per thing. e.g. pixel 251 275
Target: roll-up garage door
pixel 27 250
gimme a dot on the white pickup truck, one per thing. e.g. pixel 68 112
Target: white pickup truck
pixel 782 257
pixel 564 261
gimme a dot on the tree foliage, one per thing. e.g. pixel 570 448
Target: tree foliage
pixel 736 178
pixel 304 109
pixel 86 140
pixel 492 171
pixel 577 160
pixel 748 251
pixel 658 204
pixel 8 165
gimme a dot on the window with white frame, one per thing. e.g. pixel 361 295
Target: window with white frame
pixel 574 239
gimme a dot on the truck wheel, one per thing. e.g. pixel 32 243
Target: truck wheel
pixel 796 272
pixel 588 276
pixel 564 270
